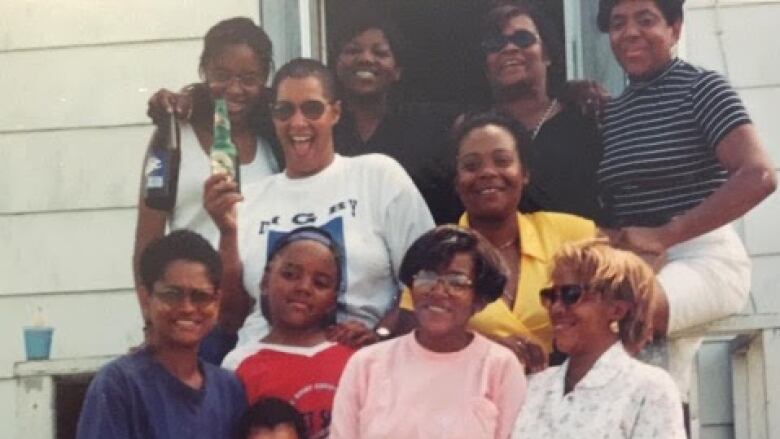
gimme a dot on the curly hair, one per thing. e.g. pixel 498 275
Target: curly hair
pixel 184 245
pixel 435 249
pixel 617 275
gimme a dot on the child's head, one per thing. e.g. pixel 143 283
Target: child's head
pixel 272 418
pixel 302 280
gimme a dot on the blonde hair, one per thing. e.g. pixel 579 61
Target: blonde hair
pixel 617 275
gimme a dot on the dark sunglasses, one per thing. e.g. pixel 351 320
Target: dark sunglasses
pixel 569 294
pixel 175 296
pixel 521 38
pixel 283 110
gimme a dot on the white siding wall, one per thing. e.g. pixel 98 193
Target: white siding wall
pixel 75 79
pixel 749 54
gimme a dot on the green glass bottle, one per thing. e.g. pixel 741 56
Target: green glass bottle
pixel 224 154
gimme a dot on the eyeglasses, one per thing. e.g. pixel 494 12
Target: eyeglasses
pixel 223 79
pixel 569 294
pixel 175 296
pixel 455 283
pixel 284 110
pixel 521 38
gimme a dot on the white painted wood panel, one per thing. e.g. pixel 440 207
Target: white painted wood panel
pixel 73 251
pixel 761 227
pixel 74 169
pixel 762 105
pixel 751 61
pixel 42 23
pixel 766 283
pixel 7 408
pixel 90 86
pixel 85 324
pixel 713 362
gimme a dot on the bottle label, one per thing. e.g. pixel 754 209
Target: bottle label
pixel 155 171
pixel 222 163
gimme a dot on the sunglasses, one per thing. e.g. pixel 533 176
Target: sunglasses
pixel 176 296
pixel 455 283
pixel 569 294
pixel 284 110
pixel 521 38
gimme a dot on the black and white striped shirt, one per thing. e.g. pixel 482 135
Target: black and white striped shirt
pixel 659 144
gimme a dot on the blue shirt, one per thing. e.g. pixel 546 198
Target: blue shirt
pixel 135 397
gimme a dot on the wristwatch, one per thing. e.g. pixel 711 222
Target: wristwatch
pixel 382 333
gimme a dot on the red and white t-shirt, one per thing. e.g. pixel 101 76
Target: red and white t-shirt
pixel 304 376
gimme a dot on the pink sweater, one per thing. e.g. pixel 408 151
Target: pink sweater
pixel 398 389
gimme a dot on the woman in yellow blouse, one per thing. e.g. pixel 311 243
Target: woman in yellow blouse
pixel 490 178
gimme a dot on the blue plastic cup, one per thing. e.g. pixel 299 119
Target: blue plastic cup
pixel 37 342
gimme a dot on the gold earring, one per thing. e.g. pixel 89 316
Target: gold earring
pixel 614 327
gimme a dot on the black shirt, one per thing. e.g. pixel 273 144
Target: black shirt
pixel 416 135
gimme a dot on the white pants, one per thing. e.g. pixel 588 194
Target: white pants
pixel 705 279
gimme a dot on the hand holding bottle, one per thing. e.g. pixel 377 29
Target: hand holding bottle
pixel 220 195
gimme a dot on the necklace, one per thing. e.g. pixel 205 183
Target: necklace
pixel 545 116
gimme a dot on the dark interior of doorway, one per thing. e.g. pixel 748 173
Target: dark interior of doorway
pixel 442 61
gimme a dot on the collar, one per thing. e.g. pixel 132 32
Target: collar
pixel 530 245
pixel 609 365
pixel 646 82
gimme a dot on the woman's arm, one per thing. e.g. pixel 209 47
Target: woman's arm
pixel 751 179
pixel 220 196
pixel 150 225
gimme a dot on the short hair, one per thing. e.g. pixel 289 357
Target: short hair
pixel 435 249
pixel 617 275
pixel 672 10
pixel 363 18
pixel 269 413
pixel 307 233
pixel 179 245
pixel 237 30
pixel 504 11
pixel 473 121
pixel 300 68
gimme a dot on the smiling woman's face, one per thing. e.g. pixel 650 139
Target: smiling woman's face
pixel 512 64
pixel 236 75
pixel 490 177
pixel 640 37
pixel 366 65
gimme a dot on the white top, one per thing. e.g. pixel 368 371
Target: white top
pixel 195 168
pixel 233 359
pixel 367 203
pixel 619 398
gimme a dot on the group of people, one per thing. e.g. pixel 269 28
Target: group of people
pixel 336 308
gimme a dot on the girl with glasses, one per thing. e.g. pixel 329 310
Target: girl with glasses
pixel 234 65
pixel 601 303
pixel 443 380
pixel 368 204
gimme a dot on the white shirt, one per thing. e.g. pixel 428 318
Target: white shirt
pixel 367 203
pixel 195 168
pixel 619 398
